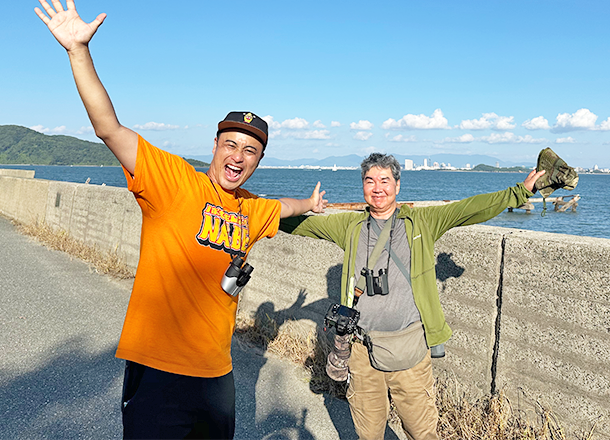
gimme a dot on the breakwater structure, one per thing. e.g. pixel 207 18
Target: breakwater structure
pixel 530 310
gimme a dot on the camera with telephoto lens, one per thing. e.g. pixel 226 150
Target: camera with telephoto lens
pixel 376 285
pixel 236 276
pixel 344 318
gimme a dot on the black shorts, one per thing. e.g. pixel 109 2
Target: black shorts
pixel 162 405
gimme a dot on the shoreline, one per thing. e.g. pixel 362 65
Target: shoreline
pixel 311 168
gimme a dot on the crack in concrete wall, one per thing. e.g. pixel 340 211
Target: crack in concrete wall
pixel 496 345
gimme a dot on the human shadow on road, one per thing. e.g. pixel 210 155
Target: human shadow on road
pixel 248 363
pixel 74 394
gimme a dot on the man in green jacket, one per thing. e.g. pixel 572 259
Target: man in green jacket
pixel 400 311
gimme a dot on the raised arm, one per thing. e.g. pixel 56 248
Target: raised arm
pixel 294 207
pixel 74 35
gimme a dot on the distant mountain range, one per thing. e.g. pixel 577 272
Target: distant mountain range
pixel 353 160
pixel 21 145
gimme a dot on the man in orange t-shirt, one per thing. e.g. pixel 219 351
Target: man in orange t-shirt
pixel 177 333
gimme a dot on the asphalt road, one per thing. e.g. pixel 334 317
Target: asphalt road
pixel 59 326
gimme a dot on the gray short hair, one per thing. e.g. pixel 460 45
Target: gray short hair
pixel 380 160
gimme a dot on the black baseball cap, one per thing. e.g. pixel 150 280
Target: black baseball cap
pixel 246 121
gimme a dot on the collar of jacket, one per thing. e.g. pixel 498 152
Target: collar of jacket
pixel 404 211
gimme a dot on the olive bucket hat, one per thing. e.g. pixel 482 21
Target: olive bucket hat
pixel 558 175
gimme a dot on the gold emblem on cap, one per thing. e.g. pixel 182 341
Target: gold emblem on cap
pixel 248 117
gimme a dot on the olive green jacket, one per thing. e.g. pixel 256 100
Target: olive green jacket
pixel 424 226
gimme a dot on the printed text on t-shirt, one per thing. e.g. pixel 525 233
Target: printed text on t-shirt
pixel 224 230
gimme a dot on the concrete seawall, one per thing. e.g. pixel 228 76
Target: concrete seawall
pixel 105 216
pixel 530 311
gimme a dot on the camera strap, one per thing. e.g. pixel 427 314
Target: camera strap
pixel 382 241
pixel 397 261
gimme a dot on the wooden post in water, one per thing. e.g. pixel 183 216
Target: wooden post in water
pixel 561 203
pixel 562 206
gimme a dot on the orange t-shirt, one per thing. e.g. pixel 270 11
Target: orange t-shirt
pixel 179 319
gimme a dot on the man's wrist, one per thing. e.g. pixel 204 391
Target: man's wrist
pixel 78 51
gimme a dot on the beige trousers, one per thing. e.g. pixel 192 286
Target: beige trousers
pixel 412 392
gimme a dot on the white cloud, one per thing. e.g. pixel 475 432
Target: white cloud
pixel 476 124
pixel 463 139
pixel 57 130
pixel 290 124
pixel 538 123
pixel 271 122
pixel 489 121
pixel 363 135
pixel 583 119
pixel 295 129
pixel 85 130
pixel 295 124
pixel 156 126
pixel 401 138
pixel 605 125
pixel 566 140
pixel 511 138
pixel 312 134
pixel 505 123
pixel 418 122
pixel 528 139
pixel 361 125
pixel 335 124
pixel 497 138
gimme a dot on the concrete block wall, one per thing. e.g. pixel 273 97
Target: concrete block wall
pixel 106 216
pixel 467 268
pixel 28 174
pixel 23 199
pixel 555 326
pixel 530 311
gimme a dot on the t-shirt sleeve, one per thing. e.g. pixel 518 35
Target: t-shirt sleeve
pixel 157 178
pixel 264 217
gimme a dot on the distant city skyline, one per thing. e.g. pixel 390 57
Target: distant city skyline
pixel 503 79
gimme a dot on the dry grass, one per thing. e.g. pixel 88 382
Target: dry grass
pixel 103 262
pixel 493 417
pixel 460 418
pixel 309 352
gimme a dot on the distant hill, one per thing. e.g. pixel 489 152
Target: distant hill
pixel 21 145
pixel 489 168
pixel 197 163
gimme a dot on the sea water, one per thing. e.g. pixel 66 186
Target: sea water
pixel 592 217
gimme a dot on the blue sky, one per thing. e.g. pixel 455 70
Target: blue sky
pixel 333 78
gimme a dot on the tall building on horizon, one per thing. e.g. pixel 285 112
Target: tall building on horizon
pixel 408 164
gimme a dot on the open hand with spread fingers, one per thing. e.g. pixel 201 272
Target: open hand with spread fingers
pixel 66 25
